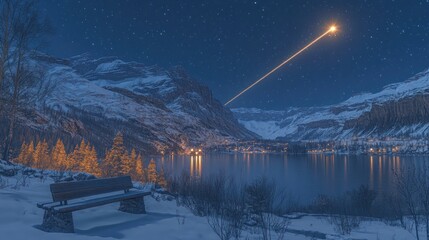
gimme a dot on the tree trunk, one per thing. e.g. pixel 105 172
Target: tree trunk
pixel 9 138
pixel 14 109
pixel 416 223
pixel 427 227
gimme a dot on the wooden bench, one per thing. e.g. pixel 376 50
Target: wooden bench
pixel 58 214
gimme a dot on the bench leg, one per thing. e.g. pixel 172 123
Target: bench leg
pixel 58 222
pixel 135 205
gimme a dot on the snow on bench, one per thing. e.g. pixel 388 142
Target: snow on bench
pixel 58 214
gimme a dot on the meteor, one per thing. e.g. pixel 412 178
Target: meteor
pixel 331 29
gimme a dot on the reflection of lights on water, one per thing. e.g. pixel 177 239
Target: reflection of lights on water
pixel 371 171
pixel 380 171
pixel 196 166
pixel 346 167
pixel 396 163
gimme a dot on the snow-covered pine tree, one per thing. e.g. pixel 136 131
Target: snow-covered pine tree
pixel 112 164
pixel 59 156
pixel 151 172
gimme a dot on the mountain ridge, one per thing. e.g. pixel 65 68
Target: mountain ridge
pixel 399 110
pixel 158 110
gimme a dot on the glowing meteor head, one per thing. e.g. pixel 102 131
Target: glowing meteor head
pixel 333 28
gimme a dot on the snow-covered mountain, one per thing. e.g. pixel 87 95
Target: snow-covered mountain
pixel 156 109
pixel 400 110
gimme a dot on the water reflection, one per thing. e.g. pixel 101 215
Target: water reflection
pixel 304 175
pixel 371 172
pixel 195 166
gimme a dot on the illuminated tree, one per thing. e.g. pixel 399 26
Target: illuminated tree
pixel 80 154
pixel 161 181
pixel 59 156
pixel 29 160
pixel 89 163
pixel 112 164
pixel 129 164
pixel 42 158
pixel 151 172
pixel 126 164
pixel 22 154
pixel 139 173
pixel 72 160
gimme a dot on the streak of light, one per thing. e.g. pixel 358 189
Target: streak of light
pixel 332 29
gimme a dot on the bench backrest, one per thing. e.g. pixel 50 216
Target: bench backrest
pixel 71 190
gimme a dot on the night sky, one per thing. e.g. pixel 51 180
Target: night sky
pixel 227 45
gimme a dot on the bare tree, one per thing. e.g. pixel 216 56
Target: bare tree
pixel 408 189
pixel 7 16
pixel 227 221
pixel 24 27
pixel 422 178
pixel 267 204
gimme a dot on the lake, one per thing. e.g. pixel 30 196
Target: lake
pixel 305 175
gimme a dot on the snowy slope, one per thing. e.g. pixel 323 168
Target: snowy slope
pixel 157 109
pixel 399 110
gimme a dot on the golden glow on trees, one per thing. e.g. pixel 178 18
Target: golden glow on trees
pixel 118 161
pixel 59 156
pixel 89 163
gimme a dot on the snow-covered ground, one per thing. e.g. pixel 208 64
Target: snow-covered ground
pixel 19 218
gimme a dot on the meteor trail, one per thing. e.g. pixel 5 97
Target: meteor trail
pixel 331 29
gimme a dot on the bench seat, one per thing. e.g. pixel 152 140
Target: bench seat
pixel 68 197
pixel 75 206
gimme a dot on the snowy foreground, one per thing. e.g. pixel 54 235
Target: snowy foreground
pixel 19 218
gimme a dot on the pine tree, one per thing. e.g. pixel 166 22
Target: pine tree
pixel 161 181
pixel 72 163
pixel 22 154
pixel 128 163
pixel 29 160
pixel 139 172
pixel 125 168
pixel 36 158
pixel 59 156
pixel 41 155
pixel 151 172
pixel 90 162
pixel 80 155
pixel 75 158
pixel 113 163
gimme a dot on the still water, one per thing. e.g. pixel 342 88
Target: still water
pixel 305 176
